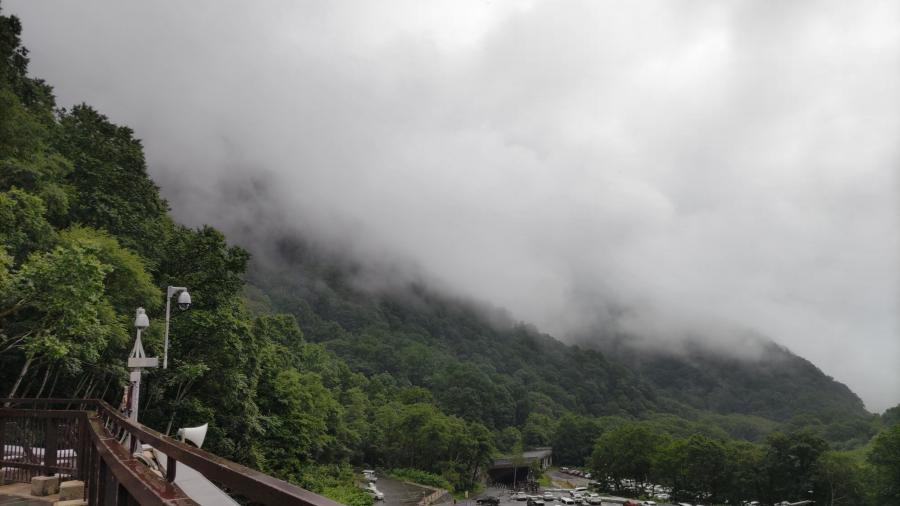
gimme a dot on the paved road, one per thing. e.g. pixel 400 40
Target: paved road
pixel 398 493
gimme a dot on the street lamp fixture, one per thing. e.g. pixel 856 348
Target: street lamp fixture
pixel 184 302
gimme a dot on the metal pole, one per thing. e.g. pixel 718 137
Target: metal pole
pixel 135 386
pixel 135 394
pixel 168 313
pixel 138 361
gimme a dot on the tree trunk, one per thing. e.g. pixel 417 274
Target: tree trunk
pixel 171 420
pixel 53 385
pixel 44 382
pixel 90 389
pixel 15 387
pixel 23 392
pixel 105 389
pixel 81 383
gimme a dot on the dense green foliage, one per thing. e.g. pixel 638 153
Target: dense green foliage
pixel 885 461
pixel 420 477
pixel 485 368
pixel 425 385
pixel 793 466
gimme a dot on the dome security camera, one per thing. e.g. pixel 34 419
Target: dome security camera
pixel 184 300
pixel 141 321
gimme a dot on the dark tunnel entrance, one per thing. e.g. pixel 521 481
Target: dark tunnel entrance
pixel 509 476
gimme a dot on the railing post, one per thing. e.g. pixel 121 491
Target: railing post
pixel 108 484
pixel 122 496
pixel 2 450
pixel 94 489
pixel 81 460
pixel 171 464
pixel 50 439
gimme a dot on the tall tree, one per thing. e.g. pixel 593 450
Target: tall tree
pixel 789 465
pixel 628 452
pixel 884 458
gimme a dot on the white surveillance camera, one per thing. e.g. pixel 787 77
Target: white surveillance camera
pixel 140 319
pixel 184 300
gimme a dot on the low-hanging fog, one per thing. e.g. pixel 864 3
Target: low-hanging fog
pixel 702 166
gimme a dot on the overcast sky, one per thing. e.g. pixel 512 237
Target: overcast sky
pixel 705 165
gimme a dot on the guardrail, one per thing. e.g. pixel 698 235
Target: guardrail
pixel 98 444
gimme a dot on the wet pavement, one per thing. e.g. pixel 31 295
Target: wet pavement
pixel 398 493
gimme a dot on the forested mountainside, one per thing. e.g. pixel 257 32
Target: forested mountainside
pixel 410 379
pixel 482 368
pixel 776 384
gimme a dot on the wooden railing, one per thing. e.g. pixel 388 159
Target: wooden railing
pixel 87 439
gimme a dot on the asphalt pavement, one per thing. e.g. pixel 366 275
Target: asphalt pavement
pixel 399 493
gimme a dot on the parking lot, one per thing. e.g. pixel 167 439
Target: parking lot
pixel 506 496
pixel 398 493
pixel 562 484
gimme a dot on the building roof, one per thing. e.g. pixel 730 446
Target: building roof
pixel 527 457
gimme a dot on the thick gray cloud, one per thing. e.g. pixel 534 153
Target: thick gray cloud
pixel 705 165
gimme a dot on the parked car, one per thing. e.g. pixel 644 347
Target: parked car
pixel 566 500
pixel 548 496
pixel 594 499
pixel 373 490
pixel 564 469
pixel 520 496
pixel 535 501
pixel 488 500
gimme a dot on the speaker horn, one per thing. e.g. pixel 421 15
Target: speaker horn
pixel 194 435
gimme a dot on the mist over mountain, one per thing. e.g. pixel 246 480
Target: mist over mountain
pixel 650 170
pixel 483 365
pixel 318 343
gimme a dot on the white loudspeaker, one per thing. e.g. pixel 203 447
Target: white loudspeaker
pixel 195 435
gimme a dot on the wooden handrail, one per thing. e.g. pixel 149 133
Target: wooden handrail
pixel 250 483
pixel 138 479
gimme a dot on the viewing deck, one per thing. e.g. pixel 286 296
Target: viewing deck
pixel 88 440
